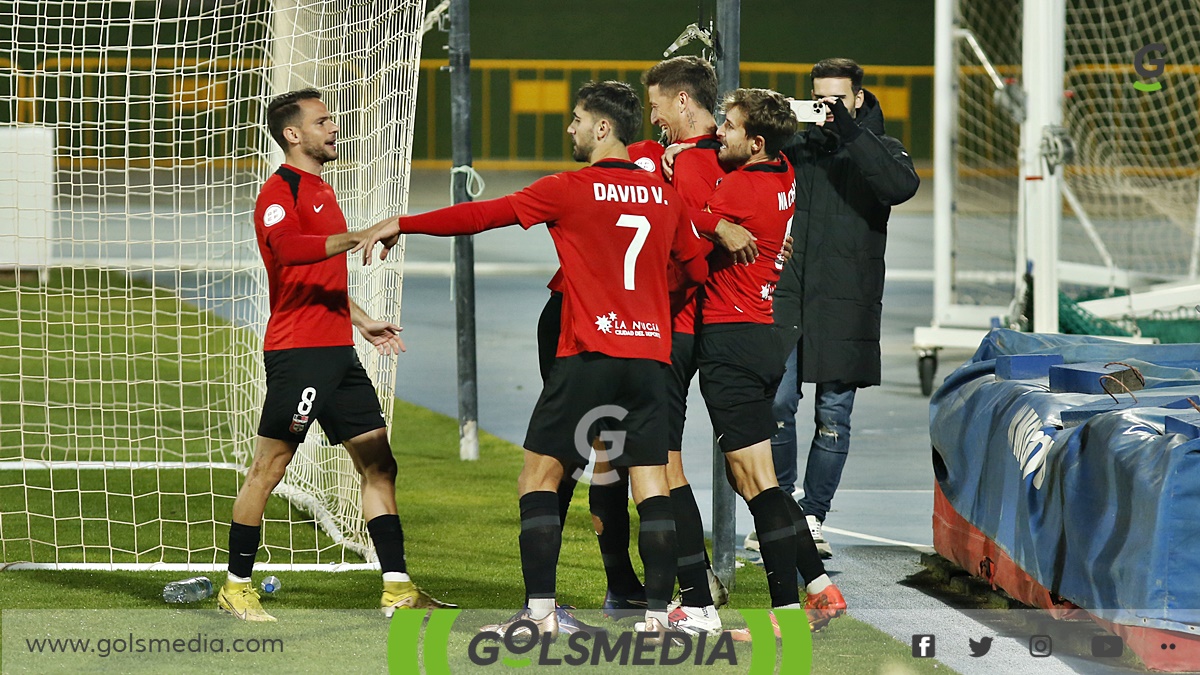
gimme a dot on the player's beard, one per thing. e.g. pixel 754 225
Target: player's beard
pixel 321 152
pixel 734 155
pixel 581 153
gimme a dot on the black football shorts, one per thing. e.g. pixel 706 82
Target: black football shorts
pixel 683 369
pixel 741 366
pixel 324 384
pixel 623 401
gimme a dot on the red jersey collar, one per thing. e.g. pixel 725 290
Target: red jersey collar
pixel 617 164
pixel 301 172
pixel 773 166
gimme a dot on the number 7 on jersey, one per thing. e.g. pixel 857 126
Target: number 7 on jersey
pixel 642 225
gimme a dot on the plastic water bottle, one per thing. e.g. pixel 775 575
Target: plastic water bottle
pixel 270 584
pixel 188 590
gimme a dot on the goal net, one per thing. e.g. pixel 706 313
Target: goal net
pixel 132 296
pixel 1132 191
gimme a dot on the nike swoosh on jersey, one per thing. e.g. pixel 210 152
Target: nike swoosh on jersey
pixel 317 209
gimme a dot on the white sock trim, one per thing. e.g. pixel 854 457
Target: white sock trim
pixel 819 584
pixel 659 616
pixel 540 608
pixel 235 579
pixel 396 576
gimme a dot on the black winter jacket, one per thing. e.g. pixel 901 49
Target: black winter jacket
pixel 832 288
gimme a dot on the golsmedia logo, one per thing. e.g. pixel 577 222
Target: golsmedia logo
pixel 626 649
pixel 441 649
pixel 1148 68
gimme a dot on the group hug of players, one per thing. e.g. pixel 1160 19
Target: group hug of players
pixel 669 262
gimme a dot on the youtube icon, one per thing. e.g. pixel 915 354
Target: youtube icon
pixel 1107 646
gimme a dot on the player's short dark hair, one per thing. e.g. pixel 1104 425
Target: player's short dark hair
pixel 283 110
pixel 767 114
pixel 685 73
pixel 618 103
pixel 846 68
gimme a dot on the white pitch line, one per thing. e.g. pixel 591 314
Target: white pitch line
pixel 878 540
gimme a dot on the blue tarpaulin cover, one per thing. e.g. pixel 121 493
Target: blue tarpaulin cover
pixel 1106 513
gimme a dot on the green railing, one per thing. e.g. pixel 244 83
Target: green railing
pixel 120 111
pixel 524 105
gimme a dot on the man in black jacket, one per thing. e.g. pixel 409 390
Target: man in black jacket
pixel 848 176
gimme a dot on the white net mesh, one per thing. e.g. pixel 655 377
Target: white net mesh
pixel 1137 157
pixel 985 189
pixel 1135 169
pixel 132 296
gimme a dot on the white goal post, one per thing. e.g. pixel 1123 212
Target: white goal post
pixel 1046 154
pixel 131 375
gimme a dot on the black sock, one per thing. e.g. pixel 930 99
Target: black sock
pixel 693 555
pixel 388 537
pixel 808 560
pixel 566 490
pixel 243 547
pixel 610 520
pixel 656 543
pixel 777 539
pixel 541 540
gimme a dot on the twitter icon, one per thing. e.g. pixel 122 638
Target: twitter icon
pixel 980 647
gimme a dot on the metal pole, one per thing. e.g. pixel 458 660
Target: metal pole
pixel 724 518
pixel 464 247
pixel 945 124
pixel 1042 73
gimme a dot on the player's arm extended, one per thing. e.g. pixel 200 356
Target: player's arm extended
pixel 460 219
pixel 384 335
pixel 293 248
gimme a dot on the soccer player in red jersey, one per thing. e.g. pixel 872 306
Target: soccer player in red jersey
pixel 682 93
pixel 740 353
pixel 616 229
pixel 612 530
pixel 313 372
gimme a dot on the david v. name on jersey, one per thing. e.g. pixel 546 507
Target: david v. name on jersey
pixel 630 194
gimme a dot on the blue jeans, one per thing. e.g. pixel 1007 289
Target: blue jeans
pixel 830 444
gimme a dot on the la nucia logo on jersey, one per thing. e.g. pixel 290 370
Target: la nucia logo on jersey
pixel 451 642
pixel 612 324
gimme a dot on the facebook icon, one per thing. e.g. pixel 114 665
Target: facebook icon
pixel 924 646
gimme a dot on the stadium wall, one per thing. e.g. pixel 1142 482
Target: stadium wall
pixel 772 33
pixel 508 130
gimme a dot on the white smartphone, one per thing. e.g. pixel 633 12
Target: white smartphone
pixel 809 111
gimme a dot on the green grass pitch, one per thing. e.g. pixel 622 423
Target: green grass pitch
pixel 460 518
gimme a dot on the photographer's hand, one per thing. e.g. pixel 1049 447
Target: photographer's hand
pixel 843 122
